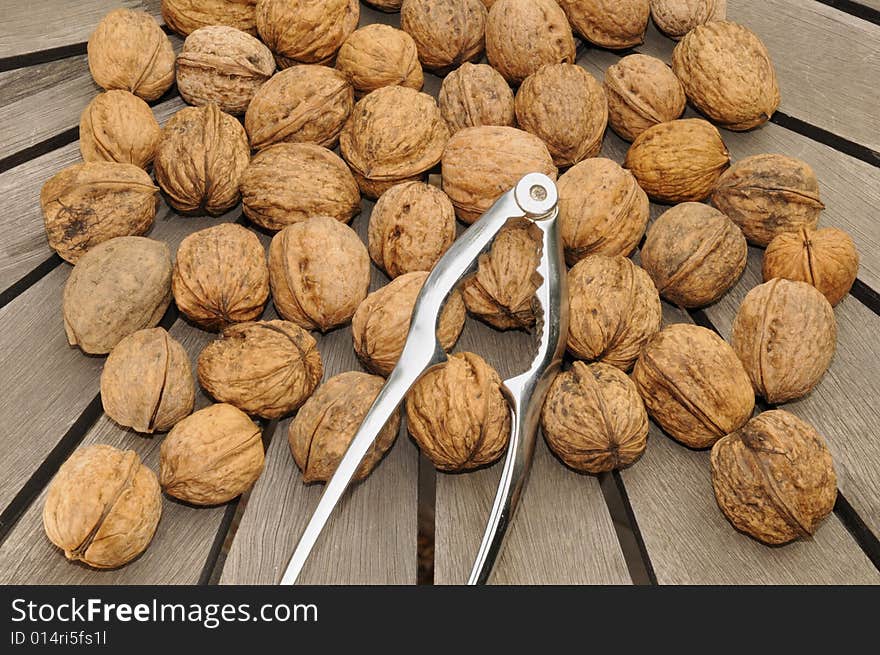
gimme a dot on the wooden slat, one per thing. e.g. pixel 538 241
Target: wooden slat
pixel 182 542
pixel 371 538
pixel 27 28
pixel 826 61
pixel 562 532
pixel 23 239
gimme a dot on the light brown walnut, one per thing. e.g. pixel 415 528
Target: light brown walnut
pixel 447 33
pixel 117 126
pixel 186 16
pixel 675 18
pixel 614 24
pixel 305 31
pixel 474 95
pixel 379 55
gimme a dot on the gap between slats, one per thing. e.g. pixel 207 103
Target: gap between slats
pixel 854 8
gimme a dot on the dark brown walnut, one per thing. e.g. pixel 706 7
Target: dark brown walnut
pixel 727 74
pixel 826 259
pixel 694 254
pixel 220 276
pixel 102 507
pixel 323 428
pixel 594 419
pixel 457 414
pixel 447 33
pixel 615 24
pixel 785 334
pixel 305 31
pixel 642 92
pixel 290 182
pixel 767 195
pixel 693 385
pixel 774 478
pixel 602 210
pixel 411 226
pixel 186 16
pixel 147 384
pixel 211 456
pixel 267 368
pixel 502 291
pixel 128 50
pixel 319 271
pixel 118 287
pixel 474 95
pixel 523 35
pixel 482 163
pixel 614 310
pixel 87 204
pixel 379 55
pixel 301 104
pixel 573 124
pixel 675 18
pixel 200 159
pixel 117 126
pixel 222 65
pixel 678 161
pixel 381 323
pixel 394 135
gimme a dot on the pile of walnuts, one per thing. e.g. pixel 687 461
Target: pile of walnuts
pixel 273 87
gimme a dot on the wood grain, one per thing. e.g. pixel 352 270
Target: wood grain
pixel 26 28
pixel 23 241
pixel 371 537
pixel 826 61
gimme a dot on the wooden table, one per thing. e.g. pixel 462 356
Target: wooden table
pixel 655 523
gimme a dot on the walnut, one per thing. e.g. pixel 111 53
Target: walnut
pixel 301 104
pixel 694 254
pixel 675 18
pixel 323 428
pixel 678 161
pixel 267 368
pixel 290 182
pixel 381 323
pixel 482 163
pixel 474 95
pixel 767 195
pixel 87 204
pixel 785 334
pixel 727 74
pixel 774 478
pixel 502 291
pixel 200 159
pixel 128 50
pixel 594 419
pixel 573 124
pixel 447 33
pixel 602 210
pixel 394 134
pixel 211 456
pixel 389 6
pixel 642 92
pixel 411 226
pixel 102 507
pixel 523 35
pixel 305 31
pixel 220 276
pixel 614 310
pixel 118 287
pixel 147 384
pixel 457 414
pixel 319 271
pixel 222 65
pixel 379 55
pixel 693 385
pixel 186 16
pixel 825 258
pixel 117 126
pixel 615 24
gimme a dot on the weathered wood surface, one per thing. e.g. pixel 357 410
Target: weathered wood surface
pixel 30 27
pixel 23 240
pixel 370 539
pixel 826 61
